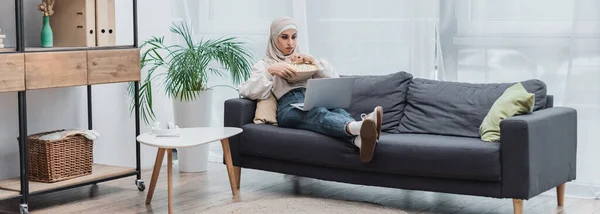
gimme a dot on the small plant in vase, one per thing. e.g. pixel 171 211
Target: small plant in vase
pixel 46 9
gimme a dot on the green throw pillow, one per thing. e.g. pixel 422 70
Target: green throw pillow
pixel 514 101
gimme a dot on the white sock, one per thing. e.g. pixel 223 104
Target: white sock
pixel 354 127
pixel 357 142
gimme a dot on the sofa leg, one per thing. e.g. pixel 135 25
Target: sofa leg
pixel 518 206
pixel 560 194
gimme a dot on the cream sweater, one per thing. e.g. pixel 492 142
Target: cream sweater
pixel 262 82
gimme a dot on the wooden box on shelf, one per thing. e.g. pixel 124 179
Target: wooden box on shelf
pixel 108 66
pixel 12 72
pixel 55 69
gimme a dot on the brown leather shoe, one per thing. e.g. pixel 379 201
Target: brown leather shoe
pixel 377 116
pixel 368 139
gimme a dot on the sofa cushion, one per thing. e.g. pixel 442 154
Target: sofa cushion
pixel 388 91
pixel 401 154
pixel 514 101
pixel 453 108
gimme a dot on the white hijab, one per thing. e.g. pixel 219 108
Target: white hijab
pixel 274 55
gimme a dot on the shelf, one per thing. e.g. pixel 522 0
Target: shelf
pixel 58 49
pixel 4 50
pixel 99 172
pixel 70 63
pixel 8 194
pixel 84 67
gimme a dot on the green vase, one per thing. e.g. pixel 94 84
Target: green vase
pixel 47 38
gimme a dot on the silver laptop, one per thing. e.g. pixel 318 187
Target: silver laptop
pixel 327 92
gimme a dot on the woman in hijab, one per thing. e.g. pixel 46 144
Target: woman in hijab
pixel 269 76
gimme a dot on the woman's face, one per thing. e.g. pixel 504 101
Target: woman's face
pixel 286 41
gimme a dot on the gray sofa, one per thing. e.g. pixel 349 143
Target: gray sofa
pixel 430 141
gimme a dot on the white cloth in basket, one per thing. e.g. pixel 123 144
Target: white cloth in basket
pixel 89 134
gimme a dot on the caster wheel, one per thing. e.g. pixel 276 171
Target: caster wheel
pixel 24 209
pixel 141 186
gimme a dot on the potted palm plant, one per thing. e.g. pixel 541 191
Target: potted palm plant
pixel 188 68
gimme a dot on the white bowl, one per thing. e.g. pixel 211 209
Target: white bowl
pixel 303 72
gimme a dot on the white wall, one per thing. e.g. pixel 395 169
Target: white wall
pixel 51 109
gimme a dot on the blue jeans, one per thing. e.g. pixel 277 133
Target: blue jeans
pixel 319 119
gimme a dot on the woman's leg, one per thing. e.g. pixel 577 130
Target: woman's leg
pixel 336 123
pixel 319 120
pixel 342 111
pixel 376 115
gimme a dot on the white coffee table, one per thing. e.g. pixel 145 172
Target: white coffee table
pixel 190 137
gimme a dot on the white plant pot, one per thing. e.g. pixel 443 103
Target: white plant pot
pixel 195 113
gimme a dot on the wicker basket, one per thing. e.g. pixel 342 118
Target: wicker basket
pixel 59 160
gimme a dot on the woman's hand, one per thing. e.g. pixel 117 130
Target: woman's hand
pixel 282 69
pixel 302 58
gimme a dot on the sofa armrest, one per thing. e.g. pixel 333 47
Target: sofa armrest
pixel 538 151
pixel 238 112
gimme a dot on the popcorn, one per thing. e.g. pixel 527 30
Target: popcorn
pixel 304 67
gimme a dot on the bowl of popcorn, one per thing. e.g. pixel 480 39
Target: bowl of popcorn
pixel 304 71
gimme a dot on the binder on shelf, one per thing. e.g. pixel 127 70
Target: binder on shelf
pixel 105 23
pixel 74 23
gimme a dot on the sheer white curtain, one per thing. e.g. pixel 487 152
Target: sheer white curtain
pixel 556 41
pixel 374 37
pixel 357 37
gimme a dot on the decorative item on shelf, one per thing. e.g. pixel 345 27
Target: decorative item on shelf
pixel 60 155
pixel 188 69
pixel 2 37
pixel 46 9
pixel 170 131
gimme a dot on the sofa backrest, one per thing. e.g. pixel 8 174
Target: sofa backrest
pixel 416 105
pixel 455 108
pixel 388 91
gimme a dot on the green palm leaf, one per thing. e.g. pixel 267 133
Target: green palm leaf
pixel 187 66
